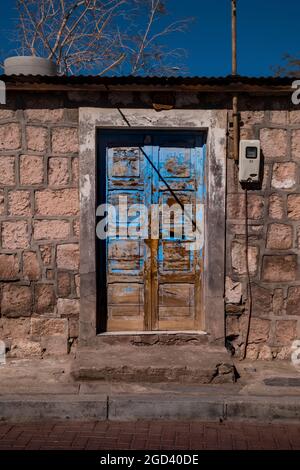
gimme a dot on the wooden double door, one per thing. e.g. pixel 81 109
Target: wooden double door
pixel 151 281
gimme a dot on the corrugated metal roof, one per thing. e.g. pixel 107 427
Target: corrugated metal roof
pixel 151 80
pixel 90 83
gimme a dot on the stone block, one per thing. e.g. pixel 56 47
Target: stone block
pixel 51 229
pixel 238 257
pixel 63 284
pixel 296 141
pixel 44 115
pixel 293 301
pixel 73 327
pixel 19 203
pixel 276 206
pixel 15 235
pixel 46 254
pixel 54 345
pixel 36 138
pixel 31 267
pixel 279 117
pixel 280 236
pixel 284 175
pixel 49 327
pixel 14 328
pixel 294 117
pixel 21 349
pixel 67 256
pixel 16 300
pixel 284 353
pixel 9 267
pixel 261 301
pixel 279 268
pixel 10 136
pixel 265 353
pixel 7 171
pixel 68 307
pixel 233 291
pixel 285 332
pixel 64 140
pixel 273 142
pixel 249 118
pixel 58 171
pixel 57 202
pixel 7 114
pixel 278 302
pixel 259 329
pixel 252 352
pixel 255 206
pixel 236 206
pixel 44 298
pixel 293 206
pixel 31 170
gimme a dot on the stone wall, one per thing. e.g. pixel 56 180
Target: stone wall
pixel 274 241
pixel 39 217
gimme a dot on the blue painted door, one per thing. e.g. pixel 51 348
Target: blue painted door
pixel 155 282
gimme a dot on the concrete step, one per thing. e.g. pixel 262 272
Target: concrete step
pixel 34 389
pixel 155 363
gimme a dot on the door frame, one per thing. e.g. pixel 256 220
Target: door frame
pixel 214 123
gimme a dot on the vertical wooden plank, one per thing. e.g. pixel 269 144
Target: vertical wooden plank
pixel 154 284
pixel 200 199
pixel 154 246
pixel 124 261
pixel 147 246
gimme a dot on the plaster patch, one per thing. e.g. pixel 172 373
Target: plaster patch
pixel 85 188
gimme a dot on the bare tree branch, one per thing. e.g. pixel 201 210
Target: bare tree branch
pixel 105 36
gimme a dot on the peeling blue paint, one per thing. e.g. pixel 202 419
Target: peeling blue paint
pixel 130 175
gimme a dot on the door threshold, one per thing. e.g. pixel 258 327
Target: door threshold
pixel 153 332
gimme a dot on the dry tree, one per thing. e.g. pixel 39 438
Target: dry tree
pixel 101 36
pixel 290 67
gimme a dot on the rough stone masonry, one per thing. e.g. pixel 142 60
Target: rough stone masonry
pixel 39 216
pixel 39 209
pixel 274 240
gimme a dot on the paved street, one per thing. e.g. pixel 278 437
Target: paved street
pixel 148 436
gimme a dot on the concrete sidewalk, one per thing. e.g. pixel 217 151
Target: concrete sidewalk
pixel 35 390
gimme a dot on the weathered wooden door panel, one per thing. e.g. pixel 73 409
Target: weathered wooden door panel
pixel 125 266
pixel 178 306
pixel 155 284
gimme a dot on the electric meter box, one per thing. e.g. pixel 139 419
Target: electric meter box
pixel 249 161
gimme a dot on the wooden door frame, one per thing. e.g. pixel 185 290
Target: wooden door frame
pixel 214 123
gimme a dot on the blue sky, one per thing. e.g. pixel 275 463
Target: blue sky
pixel 267 29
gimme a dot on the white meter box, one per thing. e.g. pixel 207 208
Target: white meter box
pixel 249 161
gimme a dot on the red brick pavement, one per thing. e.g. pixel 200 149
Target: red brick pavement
pixel 149 436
